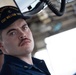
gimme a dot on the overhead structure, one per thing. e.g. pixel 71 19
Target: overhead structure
pixel 30 8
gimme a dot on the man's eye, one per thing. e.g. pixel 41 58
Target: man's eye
pixel 25 27
pixel 12 33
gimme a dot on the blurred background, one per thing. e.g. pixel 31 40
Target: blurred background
pixel 55 37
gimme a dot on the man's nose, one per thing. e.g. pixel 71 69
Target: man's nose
pixel 22 35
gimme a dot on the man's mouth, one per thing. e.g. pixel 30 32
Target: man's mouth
pixel 24 41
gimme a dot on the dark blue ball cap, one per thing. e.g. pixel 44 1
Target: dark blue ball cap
pixel 8 15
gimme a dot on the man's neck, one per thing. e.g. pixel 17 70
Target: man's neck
pixel 27 59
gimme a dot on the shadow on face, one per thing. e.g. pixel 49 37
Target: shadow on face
pixel 1 60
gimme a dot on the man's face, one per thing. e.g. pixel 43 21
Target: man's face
pixel 17 39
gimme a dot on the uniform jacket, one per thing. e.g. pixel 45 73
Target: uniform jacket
pixel 14 66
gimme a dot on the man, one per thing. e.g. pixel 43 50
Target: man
pixel 16 43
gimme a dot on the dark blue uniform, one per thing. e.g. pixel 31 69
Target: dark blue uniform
pixel 15 66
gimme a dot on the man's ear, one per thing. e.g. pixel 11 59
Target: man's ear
pixel 1 46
